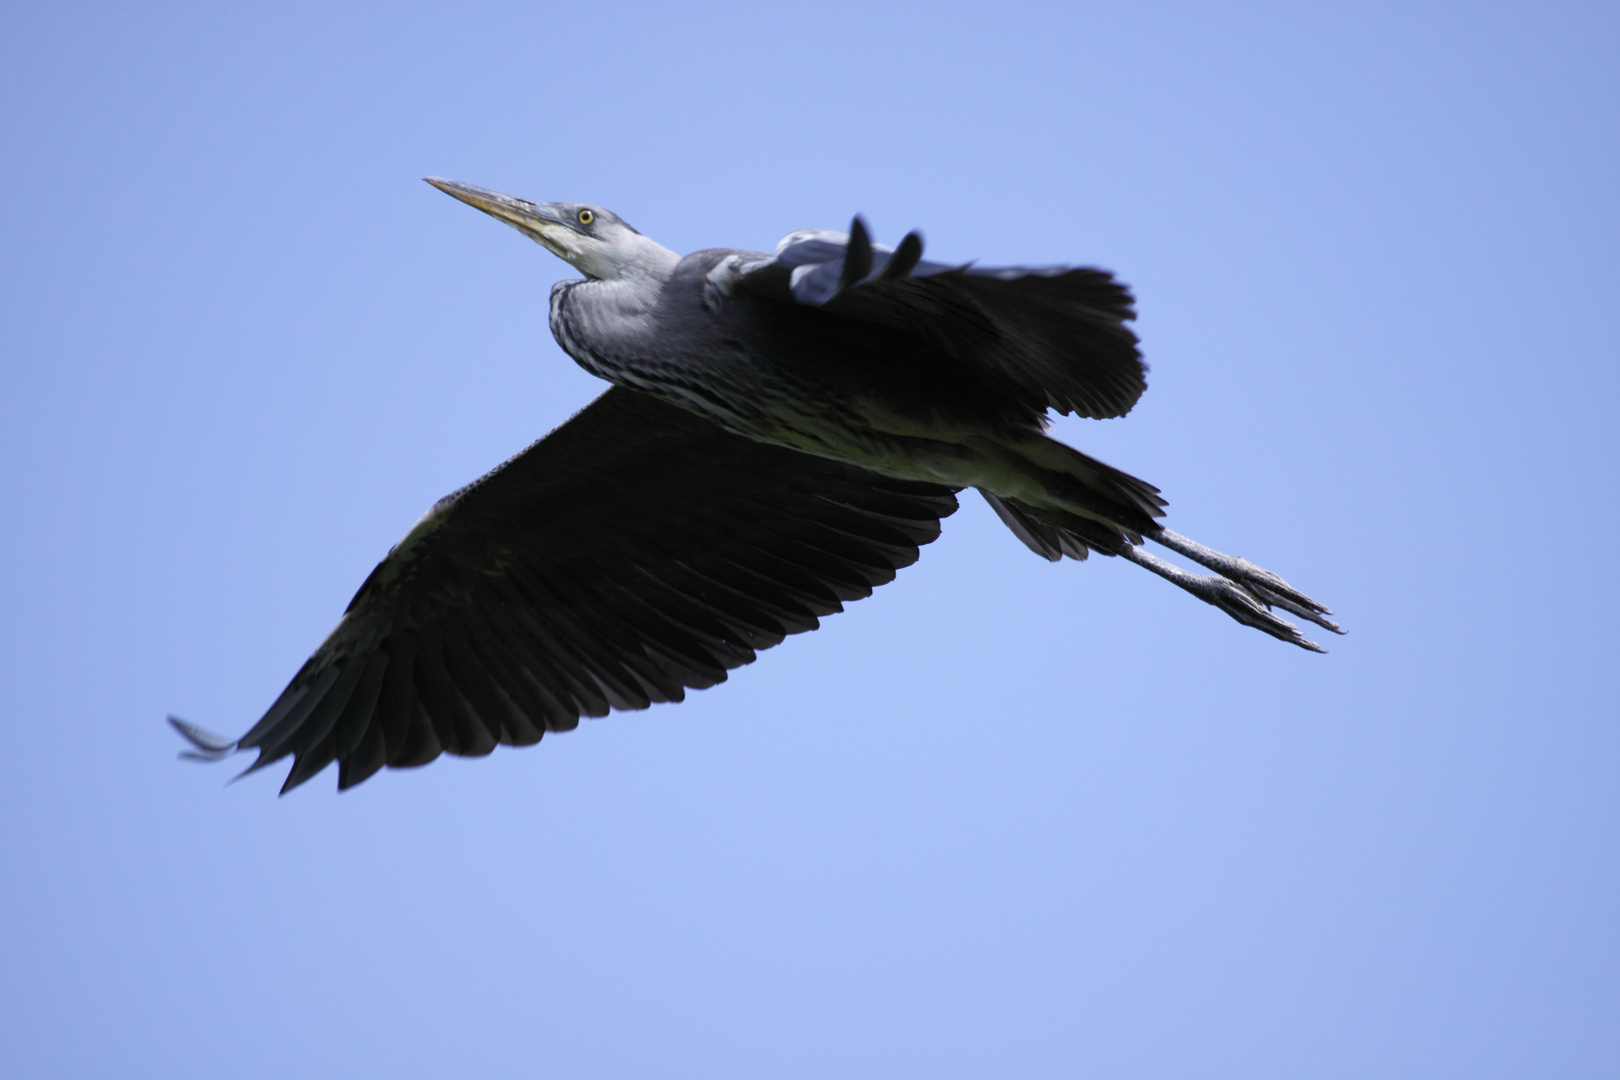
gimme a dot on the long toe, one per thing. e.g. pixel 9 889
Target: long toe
pixel 1315 613
pixel 1246 608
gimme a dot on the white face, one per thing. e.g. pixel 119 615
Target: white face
pixel 592 240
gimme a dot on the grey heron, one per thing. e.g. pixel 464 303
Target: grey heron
pixel 782 433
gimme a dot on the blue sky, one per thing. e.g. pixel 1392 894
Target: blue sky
pixel 1003 818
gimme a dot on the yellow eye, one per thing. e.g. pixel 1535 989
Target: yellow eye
pixel 586 217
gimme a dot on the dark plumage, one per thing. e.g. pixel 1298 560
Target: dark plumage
pixel 786 431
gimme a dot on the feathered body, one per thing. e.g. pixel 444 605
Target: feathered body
pixel 896 374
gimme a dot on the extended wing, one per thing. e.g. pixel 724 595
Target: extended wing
pixel 634 552
pixel 1056 333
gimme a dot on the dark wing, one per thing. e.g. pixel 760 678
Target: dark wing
pixel 634 552
pixel 1056 333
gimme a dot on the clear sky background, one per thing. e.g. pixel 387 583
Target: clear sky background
pixel 1002 819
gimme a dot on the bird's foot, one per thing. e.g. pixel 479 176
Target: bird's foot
pixel 1265 586
pixel 1239 600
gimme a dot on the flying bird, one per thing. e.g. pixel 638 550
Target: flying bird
pixel 782 433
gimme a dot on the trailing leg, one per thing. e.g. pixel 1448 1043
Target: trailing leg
pixel 1060 502
pixel 1242 590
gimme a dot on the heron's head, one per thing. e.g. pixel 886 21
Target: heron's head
pixel 594 241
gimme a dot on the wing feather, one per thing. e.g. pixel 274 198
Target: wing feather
pixel 633 554
pixel 1057 335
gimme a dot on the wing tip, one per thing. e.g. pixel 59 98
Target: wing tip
pixel 207 746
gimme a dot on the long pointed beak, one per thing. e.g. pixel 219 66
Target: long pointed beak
pixel 531 219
